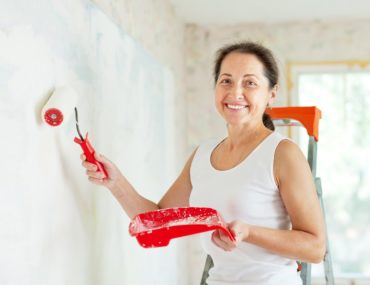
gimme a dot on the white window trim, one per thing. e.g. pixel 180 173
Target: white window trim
pixel 294 69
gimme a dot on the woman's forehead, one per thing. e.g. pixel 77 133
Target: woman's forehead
pixel 242 64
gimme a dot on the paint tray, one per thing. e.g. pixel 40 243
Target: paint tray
pixel 157 228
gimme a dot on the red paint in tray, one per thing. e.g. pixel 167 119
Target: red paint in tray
pixel 157 228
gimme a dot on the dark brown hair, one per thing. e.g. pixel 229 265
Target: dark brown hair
pixel 264 55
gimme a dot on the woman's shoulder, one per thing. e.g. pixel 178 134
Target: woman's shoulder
pixel 276 140
pixel 288 154
pixel 287 146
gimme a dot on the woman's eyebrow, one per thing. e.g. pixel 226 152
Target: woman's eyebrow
pixel 250 74
pixel 245 75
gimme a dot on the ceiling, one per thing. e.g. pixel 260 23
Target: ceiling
pixel 230 12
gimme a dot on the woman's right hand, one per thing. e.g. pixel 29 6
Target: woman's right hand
pixel 97 177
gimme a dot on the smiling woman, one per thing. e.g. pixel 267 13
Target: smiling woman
pixel 255 177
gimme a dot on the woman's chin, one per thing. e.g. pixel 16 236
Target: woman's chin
pixel 236 122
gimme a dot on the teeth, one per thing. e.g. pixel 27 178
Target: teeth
pixel 235 107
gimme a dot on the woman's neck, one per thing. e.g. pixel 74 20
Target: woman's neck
pixel 248 133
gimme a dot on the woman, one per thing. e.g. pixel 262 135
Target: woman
pixel 256 178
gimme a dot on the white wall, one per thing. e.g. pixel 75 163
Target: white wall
pixel 157 28
pixel 56 228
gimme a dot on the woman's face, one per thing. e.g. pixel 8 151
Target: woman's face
pixel 242 89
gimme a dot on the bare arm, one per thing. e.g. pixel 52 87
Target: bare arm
pixel 130 200
pixel 306 240
pixel 179 193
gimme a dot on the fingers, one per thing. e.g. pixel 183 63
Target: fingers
pixel 238 236
pixel 239 230
pixel 222 240
pixel 96 181
pixel 97 156
pixel 101 158
pixel 92 172
pixel 89 166
pixel 108 165
pixel 95 174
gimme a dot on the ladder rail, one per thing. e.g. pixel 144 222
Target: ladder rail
pixel 207 267
pixel 328 265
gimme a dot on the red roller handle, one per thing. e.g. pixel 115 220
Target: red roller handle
pixel 89 153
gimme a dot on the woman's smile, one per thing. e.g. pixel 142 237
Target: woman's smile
pixel 236 107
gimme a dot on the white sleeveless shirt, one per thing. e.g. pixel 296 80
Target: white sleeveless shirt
pixel 247 192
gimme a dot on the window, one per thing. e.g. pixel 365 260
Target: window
pixel 343 96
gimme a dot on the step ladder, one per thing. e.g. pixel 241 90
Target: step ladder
pixel 307 117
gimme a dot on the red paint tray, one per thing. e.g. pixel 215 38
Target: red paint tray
pixel 157 228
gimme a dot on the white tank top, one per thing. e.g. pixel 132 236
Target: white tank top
pixel 247 192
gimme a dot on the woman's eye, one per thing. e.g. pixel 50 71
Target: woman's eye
pixel 251 84
pixel 225 81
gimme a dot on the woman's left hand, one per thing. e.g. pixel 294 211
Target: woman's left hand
pixel 238 229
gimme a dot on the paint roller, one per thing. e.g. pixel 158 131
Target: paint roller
pixel 60 105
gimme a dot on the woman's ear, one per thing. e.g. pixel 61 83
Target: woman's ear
pixel 273 95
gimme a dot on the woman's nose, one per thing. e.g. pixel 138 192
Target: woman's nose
pixel 237 92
